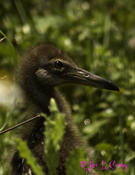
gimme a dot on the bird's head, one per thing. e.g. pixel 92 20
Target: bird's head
pixel 50 66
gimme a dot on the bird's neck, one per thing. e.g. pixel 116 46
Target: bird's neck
pixel 40 97
pixel 36 127
pixel 61 103
pixel 60 100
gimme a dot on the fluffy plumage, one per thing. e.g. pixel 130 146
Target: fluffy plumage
pixel 39 71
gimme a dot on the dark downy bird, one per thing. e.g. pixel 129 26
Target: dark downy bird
pixel 39 72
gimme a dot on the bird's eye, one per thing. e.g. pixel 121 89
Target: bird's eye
pixel 58 64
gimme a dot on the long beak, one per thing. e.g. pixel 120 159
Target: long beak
pixel 84 77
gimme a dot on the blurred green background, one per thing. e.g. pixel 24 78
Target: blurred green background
pixel 99 35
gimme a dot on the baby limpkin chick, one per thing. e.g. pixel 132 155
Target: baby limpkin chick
pixel 39 72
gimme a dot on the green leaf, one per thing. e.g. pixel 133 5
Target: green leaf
pixel 25 153
pixel 105 146
pixel 93 129
pixel 73 162
pixel 12 48
pixel 54 131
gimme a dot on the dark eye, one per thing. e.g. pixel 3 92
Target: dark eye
pixel 58 64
